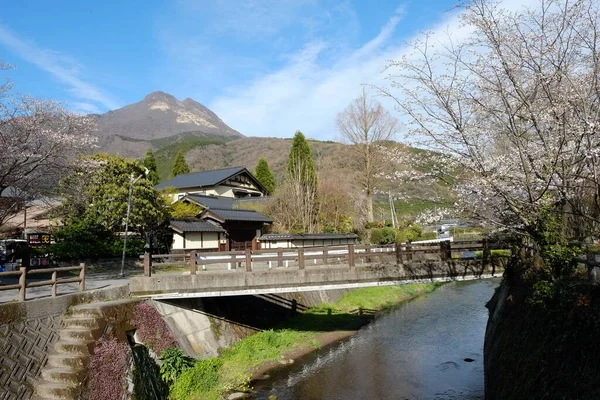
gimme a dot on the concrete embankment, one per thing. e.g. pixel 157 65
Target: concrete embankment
pixel 203 326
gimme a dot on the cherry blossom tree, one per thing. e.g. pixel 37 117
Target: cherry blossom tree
pixel 515 106
pixel 38 139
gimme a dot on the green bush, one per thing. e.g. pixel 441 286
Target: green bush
pixel 83 239
pixel 385 235
pixel 174 362
pixel 203 378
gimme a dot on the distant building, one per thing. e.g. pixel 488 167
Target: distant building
pixel 234 182
pixel 221 225
pixel 290 241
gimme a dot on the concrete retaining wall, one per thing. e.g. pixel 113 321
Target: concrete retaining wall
pixel 203 326
pixel 28 329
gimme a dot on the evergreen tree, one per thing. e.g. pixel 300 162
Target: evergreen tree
pixel 179 167
pixel 300 165
pixel 150 163
pixel 301 186
pixel 264 175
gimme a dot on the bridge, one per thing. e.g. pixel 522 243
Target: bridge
pixel 318 268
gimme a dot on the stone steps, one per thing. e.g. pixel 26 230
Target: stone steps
pixel 59 391
pixel 76 333
pixel 73 346
pixel 67 375
pixel 81 322
pixel 73 361
pixel 63 374
pixel 67 364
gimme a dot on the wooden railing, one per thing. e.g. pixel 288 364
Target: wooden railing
pixel 23 273
pixel 347 254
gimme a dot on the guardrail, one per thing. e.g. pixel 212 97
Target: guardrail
pixel 350 254
pixel 23 285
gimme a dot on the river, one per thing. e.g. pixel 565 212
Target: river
pixel 428 348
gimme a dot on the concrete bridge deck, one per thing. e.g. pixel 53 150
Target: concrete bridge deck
pixel 355 266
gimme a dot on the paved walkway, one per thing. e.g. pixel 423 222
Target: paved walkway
pixel 93 280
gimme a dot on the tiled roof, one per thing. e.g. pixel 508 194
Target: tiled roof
pixel 307 236
pixel 194 225
pixel 239 215
pixel 205 178
pixel 212 201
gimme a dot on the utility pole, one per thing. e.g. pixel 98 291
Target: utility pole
pixel 131 183
pixel 392 210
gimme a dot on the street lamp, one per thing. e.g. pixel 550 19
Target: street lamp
pixel 131 182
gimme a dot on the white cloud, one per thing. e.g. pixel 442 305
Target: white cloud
pixel 307 93
pixel 84 108
pixel 63 68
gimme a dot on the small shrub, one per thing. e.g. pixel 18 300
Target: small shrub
pixel 201 380
pixel 107 370
pixel 174 362
pixel 385 235
pixel 152 329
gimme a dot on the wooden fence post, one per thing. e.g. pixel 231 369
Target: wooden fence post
pixel 325 258
pixel 22 283
pixel 487 254
pixel 398 248
pixel 232 262
pixel 147 264
pixel 248 260
pixel 368 254
pixel 82 277
pixel 193 263
pixel 300 257
pixel 351 255
pixel 445 251
pixel 409 255
pixel 54 284
pixel 280 257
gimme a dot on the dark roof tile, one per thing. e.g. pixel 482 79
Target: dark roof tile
pixel 193 225
pixel 200 179
pixel 239 215
pixel 307 236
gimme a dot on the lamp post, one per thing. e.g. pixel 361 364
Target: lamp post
pixel 131 183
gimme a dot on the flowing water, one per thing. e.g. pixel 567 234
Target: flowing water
pixel 429 348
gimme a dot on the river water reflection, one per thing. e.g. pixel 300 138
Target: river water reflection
pixel 415 352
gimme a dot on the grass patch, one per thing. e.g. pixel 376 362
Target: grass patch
pixel 211 379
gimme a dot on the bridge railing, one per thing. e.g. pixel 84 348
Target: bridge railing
pixel 23 273
pixel 348 255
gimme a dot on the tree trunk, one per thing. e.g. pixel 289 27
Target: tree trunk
pixel 369 200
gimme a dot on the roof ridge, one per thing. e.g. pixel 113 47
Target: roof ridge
pixel 218 169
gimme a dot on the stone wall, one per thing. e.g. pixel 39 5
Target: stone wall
pixel 28 329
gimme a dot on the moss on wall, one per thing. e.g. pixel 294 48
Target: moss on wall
pixel 548 350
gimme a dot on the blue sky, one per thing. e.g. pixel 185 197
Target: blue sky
pixel 266 67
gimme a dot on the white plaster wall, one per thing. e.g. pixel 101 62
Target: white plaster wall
pixel 177 241
pixel 193 240
pixel 211 240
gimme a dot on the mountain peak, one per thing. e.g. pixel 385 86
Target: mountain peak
pixel 159 95
pixel 160 115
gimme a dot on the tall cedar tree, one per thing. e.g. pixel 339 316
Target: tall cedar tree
pixel 300 163
pixel 180 167
pixel 150 163
pixel 264 175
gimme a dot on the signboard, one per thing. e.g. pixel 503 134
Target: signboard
pixel 37 240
